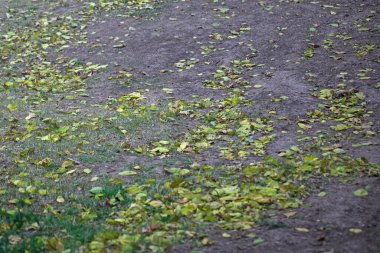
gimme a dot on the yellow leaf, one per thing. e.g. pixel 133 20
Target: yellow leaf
pixel 355 230
pixel 42 192
pixel 182 146
pixel 12 201
pixel 156 203
pixel 67 164
pixel 167 90
pixel 303 230
pixel 30 116
pixel 94 179
pixel 304 126
pixel 127 173
pixel 225 235
pixel 14 239
pixel 290 214
pixel 60 199
pixel 12 107
pixel 207 241
pixel 71 171
pixel 87 171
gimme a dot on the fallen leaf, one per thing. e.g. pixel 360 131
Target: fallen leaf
pixel 94 179
pixel 355 230
pixel 60 199
pixel 361 192
pixel 127 173
pixel 303 230
pixel 30 116
pixel 290 214
pixel 258 241
pixel 14 239
pixel 87 171
pixel 156 203
pixel 96 190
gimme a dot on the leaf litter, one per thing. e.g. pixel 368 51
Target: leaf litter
pixel 53 134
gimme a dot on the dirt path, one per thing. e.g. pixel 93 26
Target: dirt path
pixel 326 224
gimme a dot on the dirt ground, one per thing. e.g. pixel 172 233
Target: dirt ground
pixel 328 220
pixel 274 35
pixel 279 36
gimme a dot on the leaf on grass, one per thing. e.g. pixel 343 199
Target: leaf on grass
pixel 60 199
pixel 96 190
pixel 178 171
pixel 14 239
pixel 30 116
pixel 156 203
pixel 161 150
pixel 87 171
pixel 94 179
pixel 42 192
pixel 127 173
pixel 12 107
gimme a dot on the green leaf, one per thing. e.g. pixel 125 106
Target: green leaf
pixel 178 171
pixel 361 192
pixel 309 53
pixel 87 171
pixel 340 127
pixel 160 150
pixel 96 190
pixel 258 241
pixel 127 173
pixel 12 107
pixel 362 144
pixel 304 126
pixel 182 146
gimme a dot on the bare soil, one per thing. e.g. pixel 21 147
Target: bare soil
pixel 328 220
pixel 279 37
pixel 280 32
